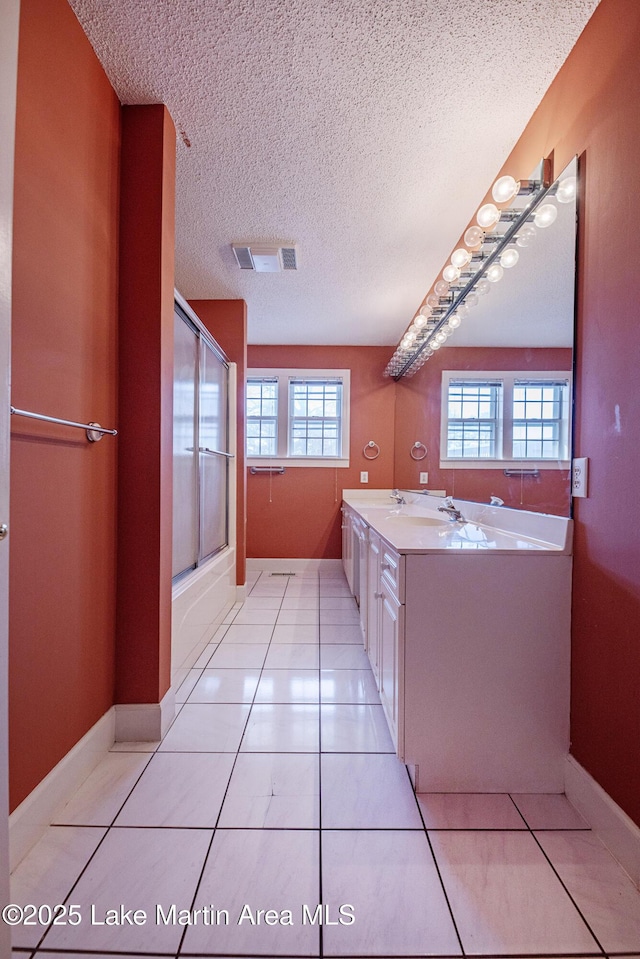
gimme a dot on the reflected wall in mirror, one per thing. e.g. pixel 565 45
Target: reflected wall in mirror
pixel 493 404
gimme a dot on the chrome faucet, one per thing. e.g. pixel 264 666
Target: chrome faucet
pixel 454 514
pixel 394 494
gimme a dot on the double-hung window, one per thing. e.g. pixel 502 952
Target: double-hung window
pixel 500 419
pixel 297 417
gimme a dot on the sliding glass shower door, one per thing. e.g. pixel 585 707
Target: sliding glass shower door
pixel 200 454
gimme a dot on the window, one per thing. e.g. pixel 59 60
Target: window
pixel 504 419
pixel 298 417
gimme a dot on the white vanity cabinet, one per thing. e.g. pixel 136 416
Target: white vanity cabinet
pixel 347 544
pixel 470 651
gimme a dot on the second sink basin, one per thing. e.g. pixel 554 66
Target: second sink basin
pixel 408 520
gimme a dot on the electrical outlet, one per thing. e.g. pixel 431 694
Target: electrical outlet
pixel 579 476
pixel 424 477
pixel 364 477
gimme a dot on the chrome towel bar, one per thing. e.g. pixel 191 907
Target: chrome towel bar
pixel 266 469
pixel 94 431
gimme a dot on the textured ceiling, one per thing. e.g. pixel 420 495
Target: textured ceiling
pixel 364 131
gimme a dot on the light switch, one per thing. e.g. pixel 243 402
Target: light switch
pixel 364 477
pixel 579 476
pixel 424 477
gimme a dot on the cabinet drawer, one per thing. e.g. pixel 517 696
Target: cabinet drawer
pixel 392 572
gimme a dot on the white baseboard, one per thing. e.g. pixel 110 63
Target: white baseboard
pixel 144 722
pixel 294 565
pixel 29 820
pixel 241 593
pixel 617 831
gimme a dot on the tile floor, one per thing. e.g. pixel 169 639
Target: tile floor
pixel 276 788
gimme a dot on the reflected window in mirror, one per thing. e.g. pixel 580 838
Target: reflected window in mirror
pixel 503 419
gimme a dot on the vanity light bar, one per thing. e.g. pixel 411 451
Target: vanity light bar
pixel 417 346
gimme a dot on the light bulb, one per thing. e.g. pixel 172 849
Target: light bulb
pixel 433 300
pixel 545 215
pixel 451 273
pixel 504 189
pixel 435 344
pixel 525 235
pixel 509 257
pixel 463 310
pixel 440 337
pixel 483 287
pixel 567 190
pixel 460 257
pixel 487 216
pixel 474 237
pixel 425 311
pixel 454 321
pixel 471 299
pixel 441 288
pixel 494 273
pixel 420 321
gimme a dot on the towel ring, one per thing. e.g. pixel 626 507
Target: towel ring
pixel 415 449
pixel 374 451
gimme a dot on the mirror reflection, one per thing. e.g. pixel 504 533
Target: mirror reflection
pixel 500 388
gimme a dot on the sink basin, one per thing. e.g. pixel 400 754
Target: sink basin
pixel 408 520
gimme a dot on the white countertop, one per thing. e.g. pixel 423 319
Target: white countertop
pixel 418 527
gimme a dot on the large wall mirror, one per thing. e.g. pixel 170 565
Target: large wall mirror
pixel 512 356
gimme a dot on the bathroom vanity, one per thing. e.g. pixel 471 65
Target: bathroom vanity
pixel 467 629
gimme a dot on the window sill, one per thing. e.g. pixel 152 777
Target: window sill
pixel 323 462
pixel 505 464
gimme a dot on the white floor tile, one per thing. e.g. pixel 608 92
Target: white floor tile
pixel 469 811
pixel 367 791
pixel 248 634
pixel 345 633
pixel 295 634
pixel 138 868
pixel 354 729
pixel 391 881
pixel 98 800
pixel 206 654
pixel 289 686
pixel 187 685
pixel 225 686
pixel 273 791
pixel 253 617
pixel 338 602
pixel 505 896
pixel 298 617
pixel 348 686
pixel 549 811
pixel 179 789
pixel 300 602
pixel 282 728
pixel 293 656
pixel 146 746
pixel 343 656
pixel 262 602
pixel 339 617
pixel 214 727
pixel 602 891
pixel 45 876
pixel 283 875
pixel 239 656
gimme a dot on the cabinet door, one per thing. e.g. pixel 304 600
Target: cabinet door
pixel 373 602
pixel 391 665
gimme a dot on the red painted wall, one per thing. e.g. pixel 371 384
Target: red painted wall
pixel 63 489
pixel 226 320
pixel 418 412
pixel 145 400
pixel 297 514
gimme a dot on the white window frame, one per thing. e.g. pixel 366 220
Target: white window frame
pixel 504 436
pixel 283 457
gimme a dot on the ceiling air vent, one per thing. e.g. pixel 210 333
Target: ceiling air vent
pixel 264 258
